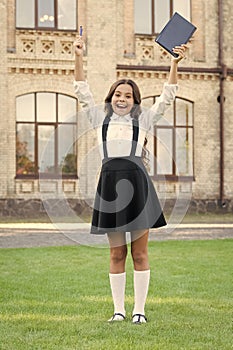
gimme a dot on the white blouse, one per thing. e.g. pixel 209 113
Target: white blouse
pixel 120 130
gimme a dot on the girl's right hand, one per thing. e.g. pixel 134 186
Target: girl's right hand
pixel 79 46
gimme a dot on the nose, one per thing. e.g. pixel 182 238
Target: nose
pixel 122 99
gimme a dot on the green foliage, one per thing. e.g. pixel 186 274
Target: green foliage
pixel 69 165
pixel 23 163
pixel 59 299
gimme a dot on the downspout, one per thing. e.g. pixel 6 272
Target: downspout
pixel 221 99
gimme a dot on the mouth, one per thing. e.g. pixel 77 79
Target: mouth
pixel 121 106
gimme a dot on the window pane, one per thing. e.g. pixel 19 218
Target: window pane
pixel 67 14
pixel 46 148
pixel 142 16
pixel 67 149
pixel 182 7
pixel 25 157
pixel 183 112
pixel 25 108
pixel 46 107
pixel 46 13
pixel 25 14
pixel 147 102
pixel 164 151
pixel 162 14
pixel 184 151
pixel 66 109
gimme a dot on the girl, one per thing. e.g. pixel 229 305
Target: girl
pixel 125 200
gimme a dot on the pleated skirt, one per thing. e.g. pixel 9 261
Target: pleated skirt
pixel 125 199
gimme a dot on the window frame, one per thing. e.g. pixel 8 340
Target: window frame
pixel 153 17
pixel 55 124
pixel 174 176
pixel 36 17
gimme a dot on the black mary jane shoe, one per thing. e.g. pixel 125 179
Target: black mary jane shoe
pixel 117 317
pixel 139 319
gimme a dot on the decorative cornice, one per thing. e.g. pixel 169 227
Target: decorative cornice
pixel 167 68
pixel 136 74
pixel 60 33
pixel 194 73
pixel 43 71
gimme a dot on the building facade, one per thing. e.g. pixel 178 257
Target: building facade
pixel 47 149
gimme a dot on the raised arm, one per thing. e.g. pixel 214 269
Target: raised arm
pixel 180 50
pixel 169 90
pixel 79 47
pixel 81 87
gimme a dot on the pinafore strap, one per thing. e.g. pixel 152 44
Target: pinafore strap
pixel 134 140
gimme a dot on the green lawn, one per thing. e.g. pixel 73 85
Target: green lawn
pixel 59 299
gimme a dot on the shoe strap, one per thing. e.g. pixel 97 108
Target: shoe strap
pixel 139 316
pixel 118 314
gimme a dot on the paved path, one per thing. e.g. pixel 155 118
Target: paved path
pixel 42 235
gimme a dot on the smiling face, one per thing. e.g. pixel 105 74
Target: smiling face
pixel 122 99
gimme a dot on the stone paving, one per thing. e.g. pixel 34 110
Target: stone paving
pixel 43 235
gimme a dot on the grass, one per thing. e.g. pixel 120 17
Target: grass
pixel 58 298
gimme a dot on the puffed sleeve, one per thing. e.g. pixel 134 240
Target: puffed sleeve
pixel 86 100
pixel 163 102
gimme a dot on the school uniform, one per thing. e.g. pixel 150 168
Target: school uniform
pixel 125 199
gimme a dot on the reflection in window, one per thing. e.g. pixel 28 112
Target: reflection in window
pixel 181 7
pixel 25 14
pixel 46 147
pixel 67 14
pixel 183 113
pixel 162 13
pixel 66 149
pixel 150 16
pixel 46 134
pixel 25 108
pixel 46 107
pixel 184 151
pixel 47 14
pixel 25 150
pixel 142 15
pixel 164 151
pixel 66 108
pixel 173 141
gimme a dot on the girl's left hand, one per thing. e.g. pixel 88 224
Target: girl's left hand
pixel 180 50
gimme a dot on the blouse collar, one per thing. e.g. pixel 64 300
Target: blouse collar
pixel 126 117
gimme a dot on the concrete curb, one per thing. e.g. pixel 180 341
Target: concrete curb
pixel 86 226
pixel 22 235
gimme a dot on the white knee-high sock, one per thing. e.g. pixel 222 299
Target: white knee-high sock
pixel 141 286
pixel 117 283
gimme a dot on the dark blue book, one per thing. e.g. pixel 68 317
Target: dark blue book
pixel 177 31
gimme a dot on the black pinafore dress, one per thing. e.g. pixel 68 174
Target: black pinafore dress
pixel 125 199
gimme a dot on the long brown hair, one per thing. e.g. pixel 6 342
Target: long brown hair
pixel 135 111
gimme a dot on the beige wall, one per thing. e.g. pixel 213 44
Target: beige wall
pixel 43 61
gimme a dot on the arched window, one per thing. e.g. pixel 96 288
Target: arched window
pixel 173 141
pixel 150 16
pixel 46 135
pixel 46 14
